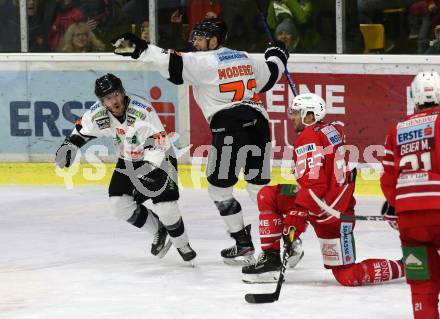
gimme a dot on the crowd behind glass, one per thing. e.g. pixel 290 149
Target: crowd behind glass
pixel 305 26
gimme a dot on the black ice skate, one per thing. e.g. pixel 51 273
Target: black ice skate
pixel 266 270
pixel 242 253
pixel 296 253
pixel 159 246
pixel 187 253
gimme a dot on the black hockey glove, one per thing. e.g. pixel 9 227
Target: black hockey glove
pixel 154 180
pixel 389 214
pixel 66 154
pixel 129 44
pixel 279 50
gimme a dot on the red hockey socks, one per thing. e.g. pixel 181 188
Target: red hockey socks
pixel 369 271
pixel 424 295
pixel 270 229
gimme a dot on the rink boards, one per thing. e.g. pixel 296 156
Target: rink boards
pixel 190 176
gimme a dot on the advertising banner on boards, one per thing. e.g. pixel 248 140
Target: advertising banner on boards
pixel 366 104
pixel 38 108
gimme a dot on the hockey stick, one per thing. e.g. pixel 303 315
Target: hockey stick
pixel 272 40
pixel 271 297
pixel 338 214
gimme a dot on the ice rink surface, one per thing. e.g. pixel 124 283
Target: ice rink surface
pixel 63 255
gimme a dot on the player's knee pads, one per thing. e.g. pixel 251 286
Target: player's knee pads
pixel 122 206
pixel 421 263
pixel 168 212
pixel 253 190
pixel 219 194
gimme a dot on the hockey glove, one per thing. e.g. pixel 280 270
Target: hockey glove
pixel 154 180
pixel 65 154
pixel 389 214
pixel 279 50
pixel 129 44
pixel 298 218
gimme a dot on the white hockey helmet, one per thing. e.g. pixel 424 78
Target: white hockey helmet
pixel 425 88
pixel 308 103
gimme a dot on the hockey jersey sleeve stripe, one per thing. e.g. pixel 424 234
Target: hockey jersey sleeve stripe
pixel 389 152
pixel 387 163
pixel 417 184
pixel 274 73
pixel 175 68
pixel 424 194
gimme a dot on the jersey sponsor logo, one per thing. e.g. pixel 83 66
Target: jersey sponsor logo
pixel 136 113
pixel 145 107
pixel 347 243
pixel 95 106
pixel 100 114
pixel 415 133
pixel 327 129
pixel 334 138
pixel 130 120
pixel 412 178
pixel 381 270
pixel 307 148
pixel 235 71
pixel 103 123
pixel 417 121
pixel 223 57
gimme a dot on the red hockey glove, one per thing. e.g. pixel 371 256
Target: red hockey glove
pixel 389 214
pixel 298 218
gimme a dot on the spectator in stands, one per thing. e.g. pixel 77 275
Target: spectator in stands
pixel 145 31
pixel 245 28
pixel 79 38
pixel 198 10
pixel 37 32
pixel 434 45
pixel 297 10
pixel 171 36
pixel 67 12
pixel 287 33
pixel 424 15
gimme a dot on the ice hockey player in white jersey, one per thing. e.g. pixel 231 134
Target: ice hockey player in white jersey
pixel 225 83
pixel 146 168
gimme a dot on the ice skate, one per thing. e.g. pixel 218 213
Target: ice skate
pixel 187 254
pixel 159 246
pixel 242 253
pixel 266 270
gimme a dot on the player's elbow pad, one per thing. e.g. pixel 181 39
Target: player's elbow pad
pixel 175 68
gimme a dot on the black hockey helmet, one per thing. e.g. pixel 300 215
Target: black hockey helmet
pixel 209 28
pixel 107 84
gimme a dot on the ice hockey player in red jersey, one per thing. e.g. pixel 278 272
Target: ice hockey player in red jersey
pixel 411 185
pixel 320 161
pixel 225 83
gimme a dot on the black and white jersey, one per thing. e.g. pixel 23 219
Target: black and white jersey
pixel 141 136
pixel 220 78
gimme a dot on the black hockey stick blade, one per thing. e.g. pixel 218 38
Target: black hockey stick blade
pixel 261 298
pixel 271 297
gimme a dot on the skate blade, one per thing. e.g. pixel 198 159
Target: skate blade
pixel 268 277
pixel 190 263
pixel 292 261
pixel 164 250
pixel 240 260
